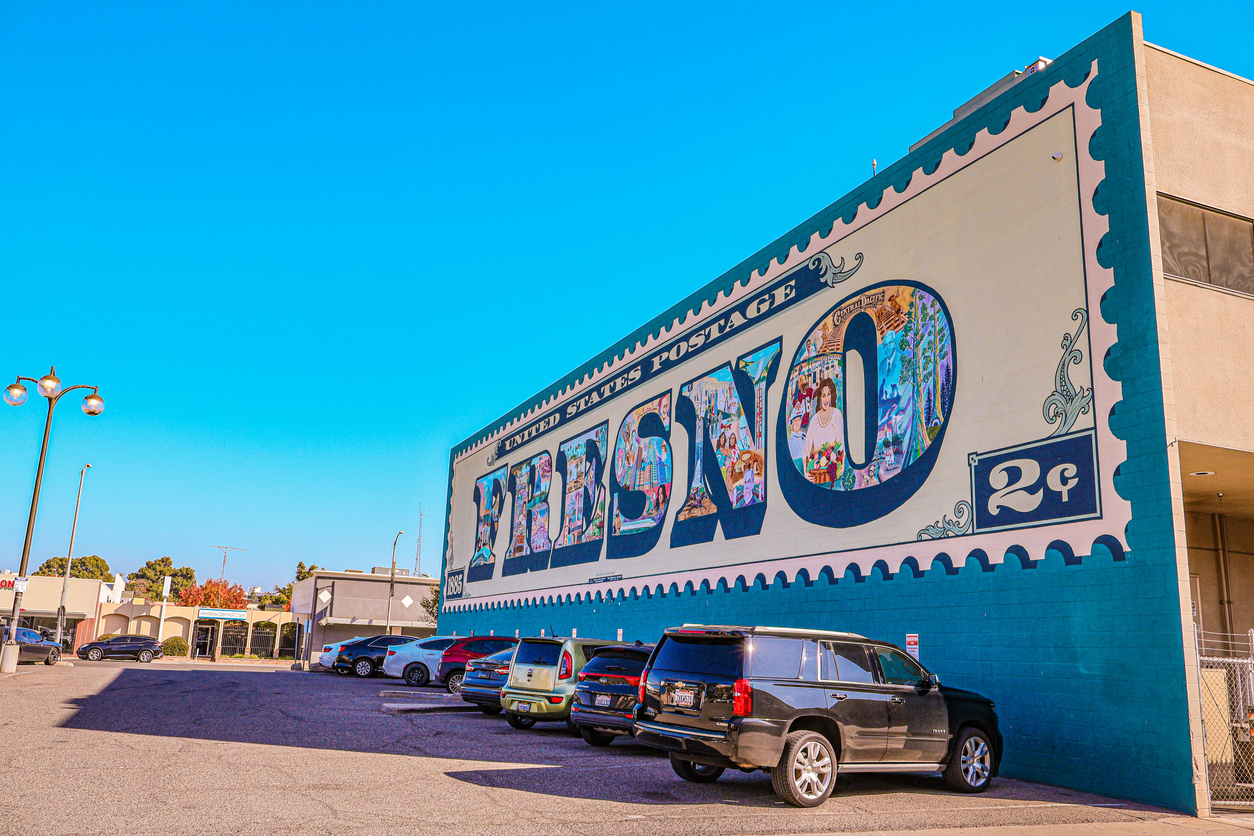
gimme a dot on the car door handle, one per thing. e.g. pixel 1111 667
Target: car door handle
pixel 896 700
pixel 839 697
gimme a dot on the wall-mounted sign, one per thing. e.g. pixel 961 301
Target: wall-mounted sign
pixel 208 612
pixel 20 584
pixel 912 644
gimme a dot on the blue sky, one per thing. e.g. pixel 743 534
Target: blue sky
pixel 305 248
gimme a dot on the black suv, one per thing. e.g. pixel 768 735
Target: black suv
pixel 139 648
pixel 364 657
pixel 805 704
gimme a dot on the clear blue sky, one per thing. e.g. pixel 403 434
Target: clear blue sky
pixel 293 242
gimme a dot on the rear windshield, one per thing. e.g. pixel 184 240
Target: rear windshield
pixel 537 653
pixel 437 644
pixel 621 663
pixel 503 656
pixel 712 656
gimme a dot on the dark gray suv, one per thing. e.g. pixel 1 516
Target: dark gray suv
pixel 804 705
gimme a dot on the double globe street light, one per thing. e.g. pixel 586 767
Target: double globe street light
pixel 15 394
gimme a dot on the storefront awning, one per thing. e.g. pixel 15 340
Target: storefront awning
pixel 373 622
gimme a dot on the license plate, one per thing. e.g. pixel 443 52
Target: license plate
pixel 522 707
pixel 604 700
pixel 683 699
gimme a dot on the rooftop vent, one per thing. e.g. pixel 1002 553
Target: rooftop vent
pixel 1001 86
pixel 384 570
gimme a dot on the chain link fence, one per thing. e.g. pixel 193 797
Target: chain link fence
pixel 1226 674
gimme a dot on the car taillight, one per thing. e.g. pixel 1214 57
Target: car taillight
pixel 391 652
pixel 632 680
pixel 742 698
pixel 644 681
pixel 326 649
pixel 567 664
pixel 582 676
pixel 503 669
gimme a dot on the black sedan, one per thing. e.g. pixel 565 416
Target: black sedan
pixel 364 657
pixel 33 647
pixel 139 648
pixel 605 698
pixel 484 678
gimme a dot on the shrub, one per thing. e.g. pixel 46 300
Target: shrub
pixel 174 646
pixel 105 637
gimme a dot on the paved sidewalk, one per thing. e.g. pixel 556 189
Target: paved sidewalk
pixel 1169 826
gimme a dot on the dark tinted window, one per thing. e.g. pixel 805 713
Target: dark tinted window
pixel 28 636
pixel 502 644
pixel 538 653
pixel 617 662
pixel 846 663
pixel 898 668
pixel 774 658
pixel 396 641
pixel 502 656
pixel 1205 245
pixel 701 654
pixel 437 644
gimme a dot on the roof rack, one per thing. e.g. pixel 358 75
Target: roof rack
pixel 739 628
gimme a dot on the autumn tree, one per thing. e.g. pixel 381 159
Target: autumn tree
pixel 214 593
pixel 148 579
pixel 92 567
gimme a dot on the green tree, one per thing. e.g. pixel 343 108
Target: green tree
pixel 432 603
pixel 282 595
pixel 92 566
pixel 147 580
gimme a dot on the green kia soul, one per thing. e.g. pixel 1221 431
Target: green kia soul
pixel 541 684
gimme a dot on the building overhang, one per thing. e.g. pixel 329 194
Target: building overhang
pixel 373 622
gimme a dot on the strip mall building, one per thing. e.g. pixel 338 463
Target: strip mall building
pixel 1000 396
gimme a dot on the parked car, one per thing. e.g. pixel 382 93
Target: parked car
pixel 139 648
pixel 453 662
pixel 806 704
pixel 417 663
pixel 364 657
pixel 32 647
pixel 484 678
pixel 541 684
pixel 605 697
pixel 330 651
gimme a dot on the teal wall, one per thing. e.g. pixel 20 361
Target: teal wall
pixel 1080 650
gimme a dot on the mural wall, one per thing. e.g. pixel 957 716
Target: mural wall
pixel 918 375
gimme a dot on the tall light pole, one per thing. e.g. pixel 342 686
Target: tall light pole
pixel 15 394
pixel 418 550
pixel 387 630
pixel 69 556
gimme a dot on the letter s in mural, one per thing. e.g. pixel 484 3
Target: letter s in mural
pixel 640 481
pixel 867 403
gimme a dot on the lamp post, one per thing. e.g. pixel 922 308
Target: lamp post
pixel 15 394
pixel 387 630
pixel 69 558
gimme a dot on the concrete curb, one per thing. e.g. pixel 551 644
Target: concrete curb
pixel 417 695
pixel 423 708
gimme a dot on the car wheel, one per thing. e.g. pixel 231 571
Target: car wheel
pixel 416 675
pixel 54 656
pixel 595 738
pixel 491 709
pixel 94 654
pixel 340 671
pixel 519 722
pixel 971 767
pixel 807 770
pixel 696 773
pixel 144 656
pixel 363 668
pixel 454 682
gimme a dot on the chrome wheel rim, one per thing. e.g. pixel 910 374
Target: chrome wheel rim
pixel 54 656
pixel 93 655
pixel 363 669
pixel 455 684
pixel 703 769
pixel 812 770
pixel 976 762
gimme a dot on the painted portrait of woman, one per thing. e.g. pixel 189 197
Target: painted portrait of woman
pixel 824 448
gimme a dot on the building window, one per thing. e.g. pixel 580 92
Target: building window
pixel 1203 245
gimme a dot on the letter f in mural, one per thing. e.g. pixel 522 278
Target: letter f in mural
pixel 727 448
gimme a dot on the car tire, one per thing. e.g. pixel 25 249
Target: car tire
pixel 54 656
pixel 340 671
pixel 363 668
pixel 95 654
pixel 696 773
pixel 595 738
pixel 807 770
pixel 454 682
pixel 144 656
pixel 519 722
pixel 416 675
pixel 491 709
pixel 970 769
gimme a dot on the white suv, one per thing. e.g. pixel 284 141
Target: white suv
pixel 416 662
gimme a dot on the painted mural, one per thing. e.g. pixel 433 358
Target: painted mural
pixel 489 498
pixel 529 544
pixel 642 463
pixel 581 462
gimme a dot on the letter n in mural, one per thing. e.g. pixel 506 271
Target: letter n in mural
pixel 727 448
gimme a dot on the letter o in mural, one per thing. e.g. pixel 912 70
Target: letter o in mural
pixel 866 406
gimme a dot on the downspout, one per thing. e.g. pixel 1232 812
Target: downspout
pixel 1225 591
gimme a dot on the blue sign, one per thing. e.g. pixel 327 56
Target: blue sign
pixel 453 584
pixel 206 612
pixel 1042 482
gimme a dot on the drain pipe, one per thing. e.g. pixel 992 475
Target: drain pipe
pixel 1221 543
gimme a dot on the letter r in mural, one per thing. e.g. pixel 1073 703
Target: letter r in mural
pixel 489 499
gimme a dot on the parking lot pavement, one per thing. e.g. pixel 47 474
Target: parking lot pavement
pixel 111 747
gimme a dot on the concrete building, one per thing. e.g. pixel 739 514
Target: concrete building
pixel 84 599
pixel 341 605
pixel 209 631
pixel 999 397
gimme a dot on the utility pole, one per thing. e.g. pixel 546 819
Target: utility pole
pixel 225 550
pixel 418 552
pixel 65 583
pixel 387 630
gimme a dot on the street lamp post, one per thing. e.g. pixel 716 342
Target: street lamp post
pixel 69 556
pixel 387 630
pixel 15 394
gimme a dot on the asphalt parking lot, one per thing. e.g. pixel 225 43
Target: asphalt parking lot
pixel 113 747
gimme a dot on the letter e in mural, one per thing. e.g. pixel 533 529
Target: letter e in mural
pixel 489 499
pixel 868 399
pixel 581 462
pixel 640 481
pixel 529 544
pixel 727 448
